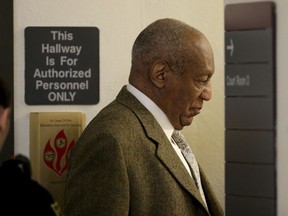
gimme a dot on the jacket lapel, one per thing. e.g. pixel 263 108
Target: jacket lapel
pixel 170 159
pixel 165 151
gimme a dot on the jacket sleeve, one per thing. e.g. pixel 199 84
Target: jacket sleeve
pixel 97 180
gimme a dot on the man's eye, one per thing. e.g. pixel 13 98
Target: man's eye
pixel 204 81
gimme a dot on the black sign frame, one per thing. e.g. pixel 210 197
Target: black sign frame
pixel 61 65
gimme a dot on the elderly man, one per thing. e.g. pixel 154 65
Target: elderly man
pixel 127 161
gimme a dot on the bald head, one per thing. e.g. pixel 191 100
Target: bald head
pixel 165 39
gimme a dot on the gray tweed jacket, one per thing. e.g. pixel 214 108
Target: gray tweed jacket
pixel 123 164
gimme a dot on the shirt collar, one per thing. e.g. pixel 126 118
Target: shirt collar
pixel 158 114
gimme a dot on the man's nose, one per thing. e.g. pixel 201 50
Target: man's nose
pixel 207 93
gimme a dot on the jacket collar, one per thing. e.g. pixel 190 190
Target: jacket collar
pixel 165 151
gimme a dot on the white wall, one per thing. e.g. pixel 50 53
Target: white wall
pixel 282 102
pixel 119 23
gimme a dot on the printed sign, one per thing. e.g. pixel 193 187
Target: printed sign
pixel 61 65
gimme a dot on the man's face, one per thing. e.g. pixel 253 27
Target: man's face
pixel 187 92
pixel 4 124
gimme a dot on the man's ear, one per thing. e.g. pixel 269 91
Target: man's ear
pixel 158 73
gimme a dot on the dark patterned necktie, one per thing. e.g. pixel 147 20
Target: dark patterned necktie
pixel 191 160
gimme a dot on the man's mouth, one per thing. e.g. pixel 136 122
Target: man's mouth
pixel 196 111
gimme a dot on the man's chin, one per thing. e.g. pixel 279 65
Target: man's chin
pixel 187 122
